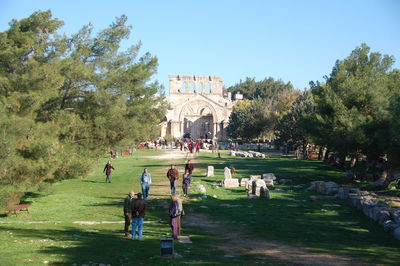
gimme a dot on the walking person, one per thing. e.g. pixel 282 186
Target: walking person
pixel 181 144
pixel 138 211
pixel 186 182
pixel 145 182
pixel 128 212
pixel 175 211
pixel 173 175
pixel 108 169
pixel 190 147
pixel 189 166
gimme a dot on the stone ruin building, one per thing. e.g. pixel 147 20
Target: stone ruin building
pixel 200 107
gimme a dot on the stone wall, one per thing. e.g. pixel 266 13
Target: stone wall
pixel 365 201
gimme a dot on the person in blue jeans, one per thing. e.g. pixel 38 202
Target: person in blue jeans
pixel 145 182
pixel 138 211
pixel 173 176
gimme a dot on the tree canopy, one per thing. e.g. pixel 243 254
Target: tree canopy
pixel 354 112
pixel 66 99
pixel 267 88
pixel 353 104
pixel 266 102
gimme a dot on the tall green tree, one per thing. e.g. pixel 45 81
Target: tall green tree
pixel 252 119
pixel 66 100
pixel 353 104
pixel 292 130
pixel 257 117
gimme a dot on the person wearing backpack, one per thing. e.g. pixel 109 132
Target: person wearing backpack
pixel 175 211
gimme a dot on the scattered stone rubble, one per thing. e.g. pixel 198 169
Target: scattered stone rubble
pixel 257 185
pixel 367 202
pixel 253 154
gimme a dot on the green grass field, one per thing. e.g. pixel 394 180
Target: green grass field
pixel 48 234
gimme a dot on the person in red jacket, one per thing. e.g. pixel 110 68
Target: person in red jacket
pixel 173 175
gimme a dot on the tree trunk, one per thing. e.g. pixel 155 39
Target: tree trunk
pixel 326 155
pixel 66 93
pixel 304 150
pixel 320 152
pixel 342 160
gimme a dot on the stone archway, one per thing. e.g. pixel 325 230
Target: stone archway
pixel 198 118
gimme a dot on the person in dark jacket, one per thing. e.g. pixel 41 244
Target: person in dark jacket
pixel 138 211
pixel 189 166
pixel 108 169
pixel 186 182
pixel 173 176
pixel 128 212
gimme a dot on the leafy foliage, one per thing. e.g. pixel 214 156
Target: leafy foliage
pixel 292 130
pixel 264 89
pixel 267 101
pixel 65 100
pixel 353 104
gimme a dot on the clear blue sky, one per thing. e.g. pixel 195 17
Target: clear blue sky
pixel 295 41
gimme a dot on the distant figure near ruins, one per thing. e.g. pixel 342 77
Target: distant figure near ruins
pixel 200 108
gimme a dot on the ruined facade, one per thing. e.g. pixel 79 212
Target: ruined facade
pixel 200 108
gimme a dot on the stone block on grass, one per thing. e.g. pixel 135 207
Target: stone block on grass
pixel 243 181
pixel 264 193
pixel 256 185
pixel 254 177
pixel 230 182
pixel 268 176
pixel 210 171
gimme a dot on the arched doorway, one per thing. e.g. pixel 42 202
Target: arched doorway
pixel 198 120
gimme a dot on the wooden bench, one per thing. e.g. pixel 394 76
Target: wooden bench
pixel 18 208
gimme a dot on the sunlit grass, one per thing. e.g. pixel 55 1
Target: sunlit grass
pixel 298 222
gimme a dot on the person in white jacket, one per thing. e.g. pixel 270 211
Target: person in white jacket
pixel 145 182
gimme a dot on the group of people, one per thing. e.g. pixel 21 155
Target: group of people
pixel 173 176
pixel 134 211
pixel 194 145
pixel 135 208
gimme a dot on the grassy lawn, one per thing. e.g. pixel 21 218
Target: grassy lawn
pixel 330 229
pixel 299 222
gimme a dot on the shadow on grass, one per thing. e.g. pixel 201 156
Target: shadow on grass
pixel 92 181
pixel 31 195
pixel 104 243
pixel 82 246
pixel 209 180
pixel 342 231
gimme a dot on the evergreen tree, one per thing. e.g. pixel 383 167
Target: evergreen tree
pixel 66 100
pixel 353 105
pixel 292 130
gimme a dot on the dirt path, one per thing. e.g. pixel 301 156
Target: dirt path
pixel 173 155
pixel 234 243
